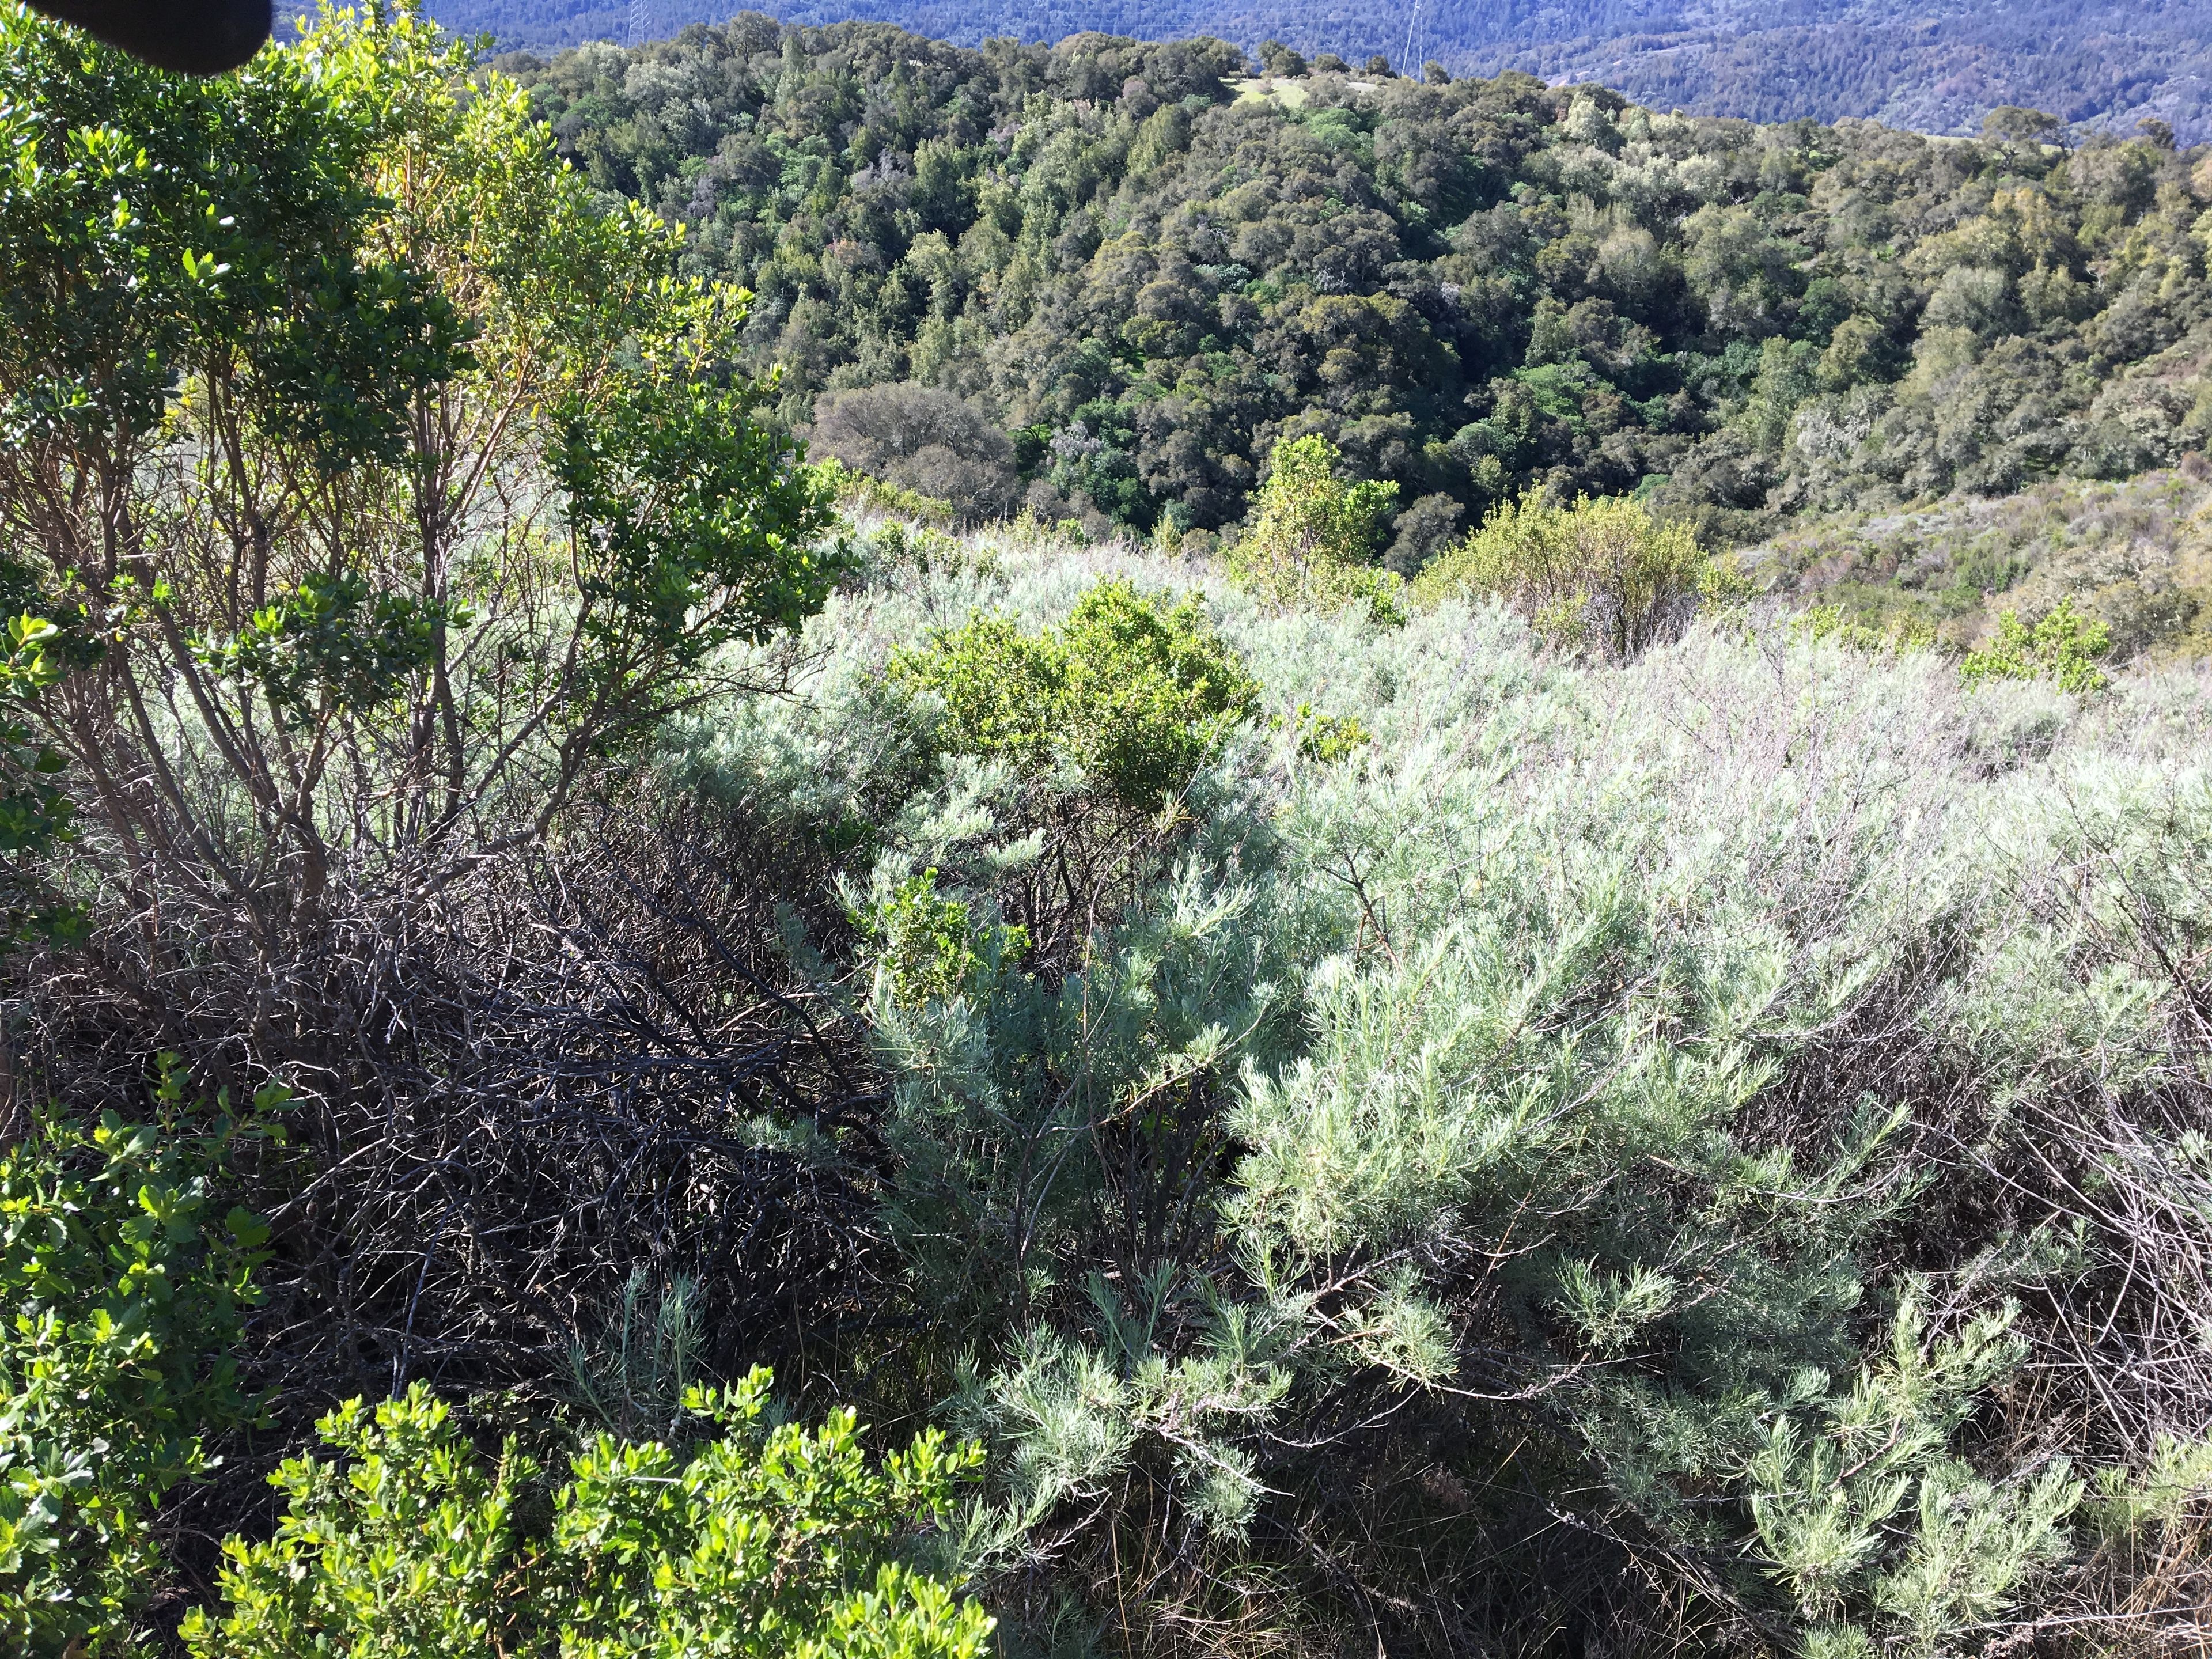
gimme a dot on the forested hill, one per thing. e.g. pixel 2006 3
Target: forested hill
pixel 1145 274
pixel 1934 65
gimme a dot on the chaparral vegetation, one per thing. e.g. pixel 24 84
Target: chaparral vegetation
pixel 1442 884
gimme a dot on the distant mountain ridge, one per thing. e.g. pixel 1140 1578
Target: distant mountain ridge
pixel 1932 65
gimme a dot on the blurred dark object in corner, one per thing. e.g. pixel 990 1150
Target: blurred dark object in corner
pixel 193 37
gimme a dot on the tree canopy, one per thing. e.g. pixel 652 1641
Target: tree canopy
pixel 1148 272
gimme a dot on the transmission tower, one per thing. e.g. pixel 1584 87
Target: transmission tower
pixel 1415 40
pixel 637 22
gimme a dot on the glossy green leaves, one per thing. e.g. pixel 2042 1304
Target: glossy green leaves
pixel 764 1543
pixel 126 1280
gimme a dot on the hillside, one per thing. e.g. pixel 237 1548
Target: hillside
pixel 1101 280
pixel 2137 554
pixel 1507 918
pixel 615 1042
pixel 1935 66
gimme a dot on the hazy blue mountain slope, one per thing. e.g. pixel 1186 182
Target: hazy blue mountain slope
pixel 1935 66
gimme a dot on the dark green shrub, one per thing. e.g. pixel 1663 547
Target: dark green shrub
pixel 778 1541
pixel 126 1284
pixel 1328 737
pixel 1898 630
pixel 1136 693
pixel 1313 537
pixel 927 943
pixel 2062 647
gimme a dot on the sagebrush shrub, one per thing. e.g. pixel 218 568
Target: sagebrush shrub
pixel 1865 1514
pixel 1546 1099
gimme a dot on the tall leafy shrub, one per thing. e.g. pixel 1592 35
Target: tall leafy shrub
pixel 359 452
pixel 386 487
pixel 1600 575
pixel 1313 537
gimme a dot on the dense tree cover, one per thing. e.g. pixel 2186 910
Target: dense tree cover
pixel 1468 287
pixel 1934 65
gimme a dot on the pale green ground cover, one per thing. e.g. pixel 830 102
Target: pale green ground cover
pixel 1662 1095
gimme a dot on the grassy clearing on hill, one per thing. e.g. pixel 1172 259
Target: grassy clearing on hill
pixel 2136 555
